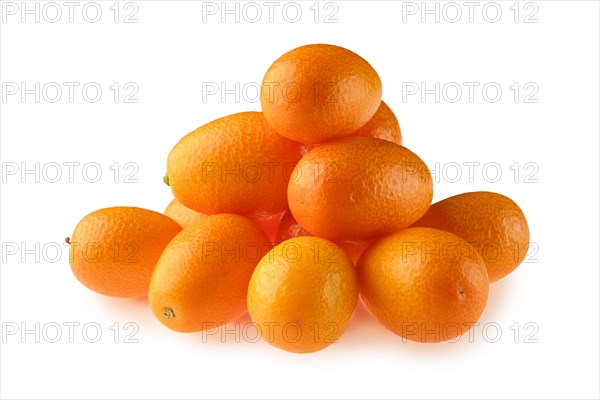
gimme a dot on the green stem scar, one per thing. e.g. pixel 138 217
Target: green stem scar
pixel 167 312
pixel 166 179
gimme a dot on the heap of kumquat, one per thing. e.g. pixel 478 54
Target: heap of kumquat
pixel 294 213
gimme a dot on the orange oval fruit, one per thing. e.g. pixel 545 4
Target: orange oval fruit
pixel 490 222
pixel 201 280
pixel 290 228
pixel 113 251
pixel 383 125
pixel 303 294
pixel 235 164
pixel 359 188
pixel 423 284
pixel 319 92
pixel 181 214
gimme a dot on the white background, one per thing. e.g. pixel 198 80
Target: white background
pixel 172 56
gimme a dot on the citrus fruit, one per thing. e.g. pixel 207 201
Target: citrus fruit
pixel 201 280
pixel 423 284
pixel 303 294
pixel 289 228
pixel 181 214
pixel 359 188
pixel 319 92
pixel 113 251
pixel 383 125
pixel 490 222
pixel 235 164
